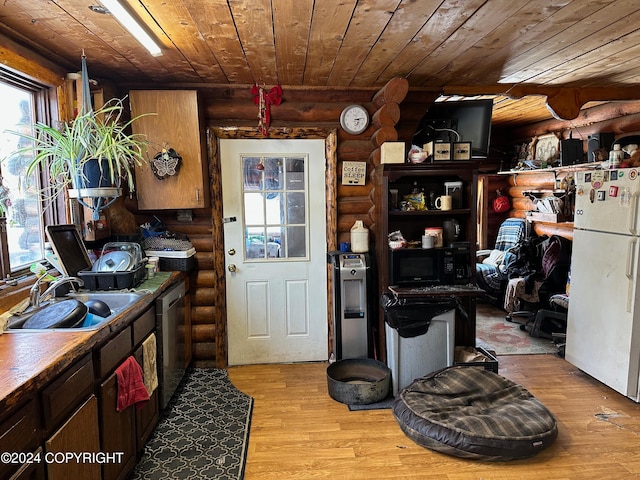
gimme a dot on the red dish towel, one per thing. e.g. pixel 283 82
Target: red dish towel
pixel 131 387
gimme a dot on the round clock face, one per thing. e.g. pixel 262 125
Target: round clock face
pixel 354 119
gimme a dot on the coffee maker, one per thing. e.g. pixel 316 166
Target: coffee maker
pixel 450 231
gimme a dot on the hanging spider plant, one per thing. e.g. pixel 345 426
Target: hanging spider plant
pixel 94 137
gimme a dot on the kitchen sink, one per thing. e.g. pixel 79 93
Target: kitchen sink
pixel 116 301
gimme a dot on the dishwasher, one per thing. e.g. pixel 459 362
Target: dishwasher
pixel 170 324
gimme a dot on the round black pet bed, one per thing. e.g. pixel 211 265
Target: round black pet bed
pixel 474 413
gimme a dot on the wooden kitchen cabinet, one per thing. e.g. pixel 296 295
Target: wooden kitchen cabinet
pixel 147 416
pixel 78 434
pixel 65 393
pixel 30 471
pixel 70 407
pixel 128 430
pixel 113 353
pixel 117 431
pixel 176 122
pixel 21 432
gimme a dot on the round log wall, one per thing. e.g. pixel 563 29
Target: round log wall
pixel 525 188
pixel 395 114
pixel 301 108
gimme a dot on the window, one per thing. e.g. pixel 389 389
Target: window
pixel 275 207
pixel 22 240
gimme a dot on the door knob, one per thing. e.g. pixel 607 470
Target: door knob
pixel 231 251
pixel 231 268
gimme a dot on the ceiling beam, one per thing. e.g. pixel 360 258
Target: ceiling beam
pixel 564 103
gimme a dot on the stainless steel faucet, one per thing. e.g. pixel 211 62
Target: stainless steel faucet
pixel 35 297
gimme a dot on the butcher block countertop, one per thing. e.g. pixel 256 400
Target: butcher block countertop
pixel 30 360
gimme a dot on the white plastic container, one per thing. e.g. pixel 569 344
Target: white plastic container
pixel 615 156
pixel 359 238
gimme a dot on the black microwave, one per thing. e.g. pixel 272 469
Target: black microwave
pixel 430 266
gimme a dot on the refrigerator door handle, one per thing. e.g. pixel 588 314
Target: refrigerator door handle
pixel 631 255
pixel 633 220
pixel 631 247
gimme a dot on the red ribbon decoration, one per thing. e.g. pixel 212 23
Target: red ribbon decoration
pixel 264 101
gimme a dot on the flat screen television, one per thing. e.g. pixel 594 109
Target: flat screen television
pixel 459 121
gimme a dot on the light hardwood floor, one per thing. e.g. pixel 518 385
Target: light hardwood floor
pixel 299 432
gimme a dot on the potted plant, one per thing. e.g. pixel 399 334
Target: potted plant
pixel 94 150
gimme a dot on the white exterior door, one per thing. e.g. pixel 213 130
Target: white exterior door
pixel 273 195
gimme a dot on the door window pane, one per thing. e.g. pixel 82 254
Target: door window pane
pixel 275 207
pixel 296 245
pixel 296 207
pixel 253 208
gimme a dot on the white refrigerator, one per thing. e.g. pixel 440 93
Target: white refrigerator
pixel 603 326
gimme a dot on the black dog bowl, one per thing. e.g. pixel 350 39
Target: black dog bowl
pixel 358 381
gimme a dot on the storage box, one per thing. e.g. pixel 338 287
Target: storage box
pixel 392 152
pixel 177 264
pixel 490 364
pixel 112 280
pixel 178 260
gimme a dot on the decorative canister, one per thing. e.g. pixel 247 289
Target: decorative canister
pixel 359 238
pixel 437 233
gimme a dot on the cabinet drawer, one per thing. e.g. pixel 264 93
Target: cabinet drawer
pixel 144 325
pixel 109 356
pixel 20 433
pixel 67 391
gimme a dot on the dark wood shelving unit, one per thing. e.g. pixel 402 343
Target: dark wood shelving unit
pixel 430 177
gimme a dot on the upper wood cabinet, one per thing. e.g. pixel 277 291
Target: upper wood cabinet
pixel 175 123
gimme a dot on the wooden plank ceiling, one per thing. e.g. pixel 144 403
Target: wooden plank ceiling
pixel 453 46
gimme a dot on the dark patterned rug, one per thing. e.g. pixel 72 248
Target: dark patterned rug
pixel 202 434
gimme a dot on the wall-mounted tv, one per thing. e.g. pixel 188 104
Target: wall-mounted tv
pixel 459 121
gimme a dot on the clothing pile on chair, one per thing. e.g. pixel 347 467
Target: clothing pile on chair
pixel 539 271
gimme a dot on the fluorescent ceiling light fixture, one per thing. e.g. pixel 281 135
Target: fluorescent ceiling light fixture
pixel 131 24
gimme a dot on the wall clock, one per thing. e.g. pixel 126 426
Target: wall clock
pixel 354 119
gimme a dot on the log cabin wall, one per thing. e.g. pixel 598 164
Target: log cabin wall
pixel 622 119
pixel 234 107
pixel 313 108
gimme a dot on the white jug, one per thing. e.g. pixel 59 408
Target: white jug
pixel 359 238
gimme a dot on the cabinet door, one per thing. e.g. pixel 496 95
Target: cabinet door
pixel 147 416
pixel 78 434
pixel 31 471
pixel 117 431
pixel 174 123
pixel 21 432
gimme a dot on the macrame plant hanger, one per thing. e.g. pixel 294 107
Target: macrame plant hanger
pixel 93 198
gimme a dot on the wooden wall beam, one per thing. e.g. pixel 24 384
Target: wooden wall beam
pixel 618 117
pixel 563 102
